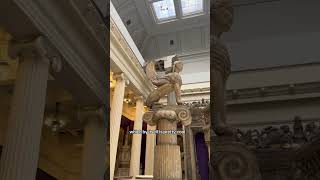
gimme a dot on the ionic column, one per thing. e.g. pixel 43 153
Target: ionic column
pixel 150 146
pixel 136 139
pixel 95 142
pixel 115 118
pixel 21 150
pixel 167 159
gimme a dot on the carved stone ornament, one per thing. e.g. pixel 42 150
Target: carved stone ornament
pixel 171 113
pixel 233 161
pixel 38 49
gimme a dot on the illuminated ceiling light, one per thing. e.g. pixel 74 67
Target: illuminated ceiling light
pixel 127 99
pixel 56 121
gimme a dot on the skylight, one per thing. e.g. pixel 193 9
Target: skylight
pixel 190 7
pixel 164 10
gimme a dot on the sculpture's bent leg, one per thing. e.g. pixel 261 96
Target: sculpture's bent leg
pixel 177 90
pixel 156 94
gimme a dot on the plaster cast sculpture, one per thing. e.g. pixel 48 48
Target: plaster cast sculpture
pixel 221 21
pixel 165 84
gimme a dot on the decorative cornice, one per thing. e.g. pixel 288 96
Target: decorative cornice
pixel 274 91
pixel 258 94
pixel 125 59
pixel 195 56
pixel 195 91
pixel 93 20
pixel 61 23
pixel 277 67
pixel 275 122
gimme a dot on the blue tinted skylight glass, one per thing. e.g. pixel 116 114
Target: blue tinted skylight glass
pixel 190 7
pixel 164 9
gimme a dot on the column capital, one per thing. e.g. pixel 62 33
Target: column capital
pixel 120 77
pixel 91 113
pixel 172 113
pixel 139 98
pixel 40 49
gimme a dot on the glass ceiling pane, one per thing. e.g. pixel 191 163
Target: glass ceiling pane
pixel 164 9
pixel 190 7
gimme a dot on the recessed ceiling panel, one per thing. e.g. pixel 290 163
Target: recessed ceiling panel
pixel 164 10
pixel 191 7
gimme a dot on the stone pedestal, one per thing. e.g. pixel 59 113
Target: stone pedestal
pixel 20 154
pixel 167 162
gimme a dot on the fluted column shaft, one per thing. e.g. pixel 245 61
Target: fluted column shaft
pixel 190 135
pixel 21 150
pixel 95 141
pixel 167 163
pixel 150 146
pixel 136 140
pixel 171 139
pixel 115 119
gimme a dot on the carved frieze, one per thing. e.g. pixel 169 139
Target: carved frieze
pixel 283 136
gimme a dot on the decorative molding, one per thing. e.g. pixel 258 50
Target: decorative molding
pixel 277 67
pixel 90 16
pixel 259 94
pixel 275 122
pixel 125 60
pixel 195 56
pixel 288 91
